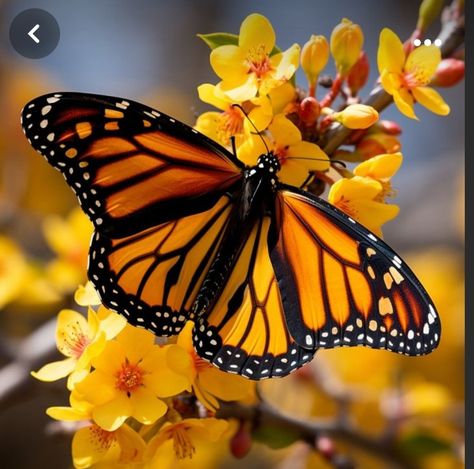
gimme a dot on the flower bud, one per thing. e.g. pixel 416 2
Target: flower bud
pixel 449 72
pixel 428 12
pixel 309 110
pixel 241 442
pixel 346 44
pixel 356 116
pixel 314 57
pixel 376 144
pixel 389 127
pixel 358 74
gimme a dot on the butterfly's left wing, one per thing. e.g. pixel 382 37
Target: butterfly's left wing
pixel 343 286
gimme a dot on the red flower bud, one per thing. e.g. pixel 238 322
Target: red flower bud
pixel 389 127
pixel 449 72
pixel 241 442
pixel 359 73
pixel 309 110
pixel 325 446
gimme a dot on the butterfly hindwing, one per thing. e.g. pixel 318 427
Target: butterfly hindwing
pixel 130 166
pixel 343 286
pixel 152 277
pixel 245 331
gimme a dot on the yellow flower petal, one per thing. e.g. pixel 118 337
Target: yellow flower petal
pixel 280 97
pixel 404 102
pixel 89 446
pixel 110 358
pixel 314 158
pixel 131 444
pixel 286 63
pixel 390 55
pixel 209 124
pixel 209 429
pixel 381 167
pixel 168 368
pixel 76 377
pixel 261 115
pixel 293 173
pixel 355 188
pixel 111 324
pixel 239 89
pixel 136 342
pixel 374 214
pixel 284 132
pixel 256 32
pixel 224 385
pixel 228 62
pixel 251 149
pixel 67 414
pixel 86 295
pixel 147 408
pixel 98 388
pixel 112 414
pixel 55 370
pixel 431 99
pixel 423 62
pixel 210 94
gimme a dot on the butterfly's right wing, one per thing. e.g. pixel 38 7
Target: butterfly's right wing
pixel 130 166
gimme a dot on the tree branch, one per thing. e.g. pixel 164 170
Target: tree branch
pixel 264 415
pixel 451 36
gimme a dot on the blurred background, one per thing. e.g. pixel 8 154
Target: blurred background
pixel 148 51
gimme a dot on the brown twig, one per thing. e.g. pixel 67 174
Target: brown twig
pixel 264 415
pixel 451 36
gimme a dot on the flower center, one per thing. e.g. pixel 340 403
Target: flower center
pixel 232 122
pixel 259 61
pixel 75 341
pixel 416 77
pixel 129 378
pixel 346 206
pixel 387 191
pixel 102 438
pixel 281 153
pixel 182 443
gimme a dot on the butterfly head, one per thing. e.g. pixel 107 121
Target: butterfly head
pixel 269 163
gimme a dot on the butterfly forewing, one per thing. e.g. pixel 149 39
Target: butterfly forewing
pixel 130 166
pixel 343 286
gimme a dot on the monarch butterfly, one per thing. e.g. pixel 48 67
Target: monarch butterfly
pixel 184 231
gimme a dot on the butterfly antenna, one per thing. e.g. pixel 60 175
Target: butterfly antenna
pixel 253 125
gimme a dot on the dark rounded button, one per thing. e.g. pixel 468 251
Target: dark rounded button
pixel 34 33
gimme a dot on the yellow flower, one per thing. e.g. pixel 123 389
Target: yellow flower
pixel 13 271
pixel 93 444
pixel 314 57
pixel 405 78
pixel 346 41
pixel 231 122
pixel 356 116
pixel 185 435
pixel 69 239
pixel 357 197
pixel 247 69
pixel 297 157
pixel 209 383
pixel 130 376
pixel 381 168
pixel 80 341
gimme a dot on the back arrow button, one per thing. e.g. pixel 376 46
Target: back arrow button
pixel 32 32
